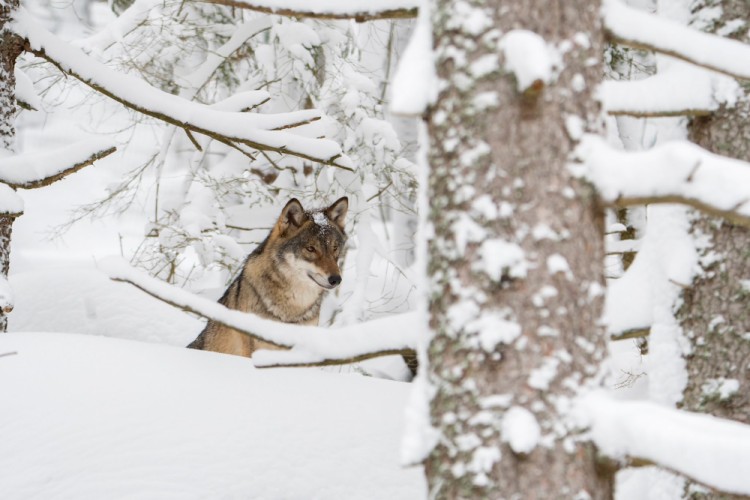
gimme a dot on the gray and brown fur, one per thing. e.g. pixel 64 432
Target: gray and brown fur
pixel 285 277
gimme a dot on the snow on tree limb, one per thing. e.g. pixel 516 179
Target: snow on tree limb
pixel 311 345
pixel 11 203
pixel 26 96
pixel 662 94
pixel 642 30
pixel 37 169
pixel 261 132
pixel 215 58
pixel 709 450
pixel 677 172
pixel 359 10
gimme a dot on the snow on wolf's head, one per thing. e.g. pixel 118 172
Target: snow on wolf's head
pixel 310 242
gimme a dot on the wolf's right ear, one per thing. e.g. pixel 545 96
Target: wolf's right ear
pixel 292 215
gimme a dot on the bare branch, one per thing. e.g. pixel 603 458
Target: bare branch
pixel 642 30
pixel 359 10
pixel 730 215
pixel 294 361
pixel 633 333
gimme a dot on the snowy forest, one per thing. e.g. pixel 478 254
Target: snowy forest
pixel 516 234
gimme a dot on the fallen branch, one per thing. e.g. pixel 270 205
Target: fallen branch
pixel 311 345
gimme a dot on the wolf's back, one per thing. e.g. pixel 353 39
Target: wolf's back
pixel 198 343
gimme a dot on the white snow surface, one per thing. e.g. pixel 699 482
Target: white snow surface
pixel 26 169
pixel 714 451
pixel 10 201
pixel 79 299
pixel 671 37
pixel 527 57
pixel 90 418
pixel 25 91
pixel 520 429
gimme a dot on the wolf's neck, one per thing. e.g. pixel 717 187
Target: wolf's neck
pixel 284 296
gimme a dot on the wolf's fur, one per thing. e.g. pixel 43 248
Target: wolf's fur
pixel 285 277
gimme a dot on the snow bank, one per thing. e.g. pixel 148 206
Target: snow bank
pixel 78 299
pixel 91 418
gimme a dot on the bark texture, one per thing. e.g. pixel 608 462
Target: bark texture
pixel 516 259
pixel 714 313
pixel 10 48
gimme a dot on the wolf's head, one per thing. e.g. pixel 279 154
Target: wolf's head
pixel 310 243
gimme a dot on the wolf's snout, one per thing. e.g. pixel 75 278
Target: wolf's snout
pixel 334 279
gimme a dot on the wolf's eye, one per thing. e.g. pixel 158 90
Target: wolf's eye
pixel 310 249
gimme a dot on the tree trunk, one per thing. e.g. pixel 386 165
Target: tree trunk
pixel 9 50
pixel 714 313
pixel 516 259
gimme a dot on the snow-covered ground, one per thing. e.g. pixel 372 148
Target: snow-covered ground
pixel 88 417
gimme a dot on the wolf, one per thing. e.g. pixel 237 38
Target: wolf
pixel 285 277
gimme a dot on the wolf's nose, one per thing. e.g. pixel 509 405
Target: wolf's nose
pixel 334 279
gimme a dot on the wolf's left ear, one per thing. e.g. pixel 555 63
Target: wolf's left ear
pixel 291 215
pixel 337 212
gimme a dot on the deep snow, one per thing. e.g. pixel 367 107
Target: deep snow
pixel 88 418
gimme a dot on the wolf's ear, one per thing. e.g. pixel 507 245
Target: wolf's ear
pixel 337 212
pixel 292 215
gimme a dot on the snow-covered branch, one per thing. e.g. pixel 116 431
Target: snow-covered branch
pixel 258 131
pixel 676 172
pixel 33 170
pixel 359 10
pixel 665 94
pixel 26 96
pixel 709 450
pixel 642 30
pixel 310 345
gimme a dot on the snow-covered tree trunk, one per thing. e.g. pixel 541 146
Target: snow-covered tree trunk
pixel 714 313
pixel 10 48
pixel 516 258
